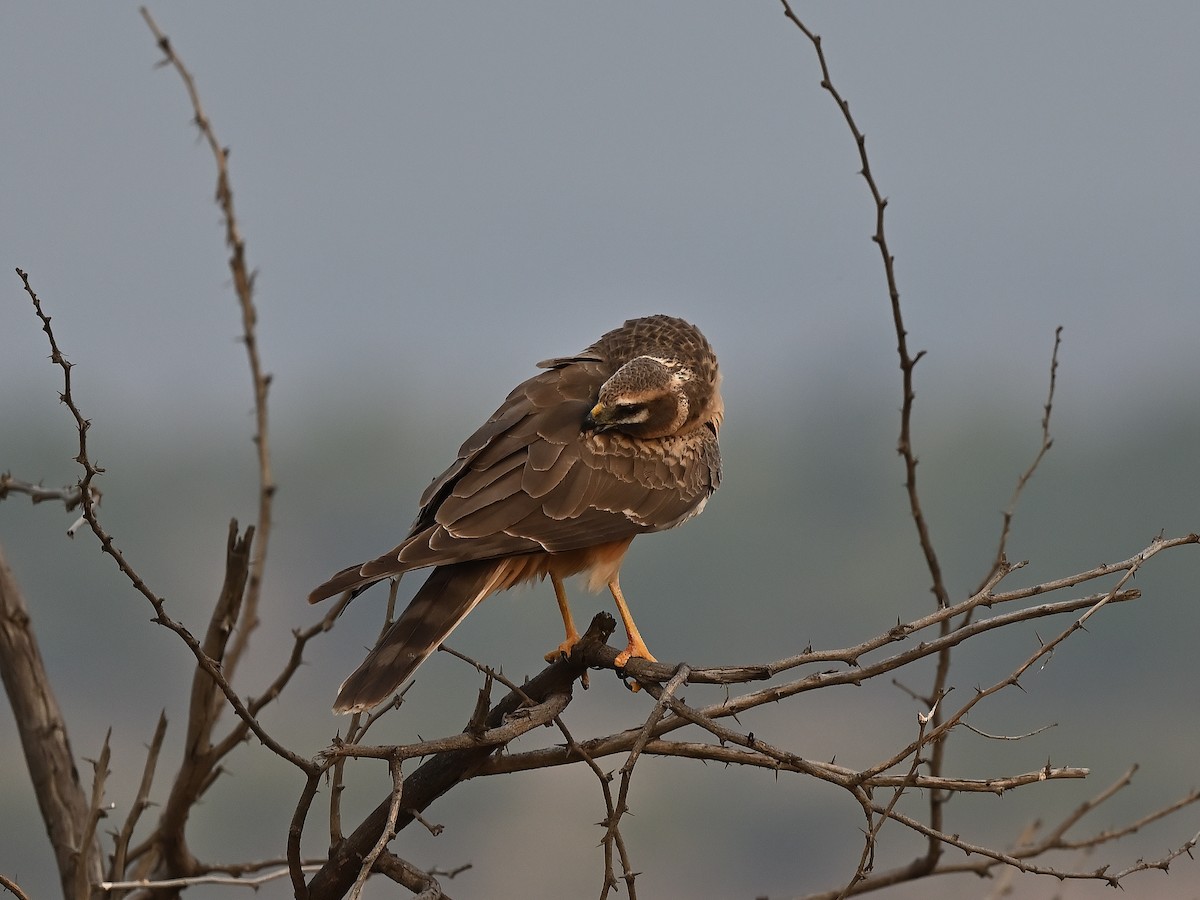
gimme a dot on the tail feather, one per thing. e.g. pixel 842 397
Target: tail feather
pixel 349 579
pixel 443 601
pixel 358 578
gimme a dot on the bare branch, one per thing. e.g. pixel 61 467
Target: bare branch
pixel 255 881
pixel 108 546
pixel 612 836
pixel 1007 737
pixel 520 721
pixel 140 802
pixel 424 884
pixel 907 361
pixel 69 496
pixel 96 811
pixel 612 832
pixel 1023 479
pixel 44 739
pixel 389 828
pixel 623 741
pixel 243 284
pixel 13 888
pixel 441 772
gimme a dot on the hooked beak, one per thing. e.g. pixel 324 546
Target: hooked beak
pixel 598 419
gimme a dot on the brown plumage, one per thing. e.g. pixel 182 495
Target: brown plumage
pixel 618 440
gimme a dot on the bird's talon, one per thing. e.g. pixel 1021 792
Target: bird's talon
pixel 633 651
pixel 631 683
pixel 563 650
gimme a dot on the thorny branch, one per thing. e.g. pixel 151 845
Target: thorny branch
pixel 738 747
pixel 389 828
pixel 243 285
pixel 68 496
pixel 1010 511
pixel 908 362
pixel 441 772
pixel 117 868
pixel 904 445
pixel 13 888
pixel 108 545
pixel 199 765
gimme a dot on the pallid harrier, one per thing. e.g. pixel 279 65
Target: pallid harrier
pixel 615 441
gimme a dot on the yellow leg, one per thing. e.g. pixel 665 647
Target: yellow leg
pixel 636 646
pixel 564 607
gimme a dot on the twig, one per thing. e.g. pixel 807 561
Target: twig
pixel 1113 879
pixel 907 362
pixel 662 696
pixel 443 771
pixel 875 823
pixel 424 884
pixel 300 640
pixel 904 445
pixel 843 777
pixel 1048 647
pixel 432 827
pixel 609 882
pixel 296 833
pixel 108 546
pixel 1024 477
pixel 1007 737
pixel 1018 858
pixel 623 741
pixel 140 802
pixel 69 496
pixel 255 881
pixel 389 829
pixel 100 775
pixel 243 283
pixel 612 833
pixel 13 888
pixel 519 722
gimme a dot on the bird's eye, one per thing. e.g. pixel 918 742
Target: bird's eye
pixel 627 410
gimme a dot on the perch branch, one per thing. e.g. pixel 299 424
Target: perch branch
pixel 444 770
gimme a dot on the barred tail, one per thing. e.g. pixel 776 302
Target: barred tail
pixel 443 601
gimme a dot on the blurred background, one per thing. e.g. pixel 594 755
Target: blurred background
pixel 436 196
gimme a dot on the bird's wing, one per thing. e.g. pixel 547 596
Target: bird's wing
pixel 529 480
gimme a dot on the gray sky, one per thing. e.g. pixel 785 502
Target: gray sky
pixel 431 191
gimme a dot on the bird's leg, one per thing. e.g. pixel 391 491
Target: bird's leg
pixel 564 607
pixel 636 646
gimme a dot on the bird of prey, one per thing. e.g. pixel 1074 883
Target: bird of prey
pixel 615 441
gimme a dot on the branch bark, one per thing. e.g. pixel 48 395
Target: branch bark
pixel 64 803
pixel 443 771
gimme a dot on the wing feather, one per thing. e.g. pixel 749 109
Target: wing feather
pixel 538 483
pixel 475 480
pixel 529 479
pixel 544 454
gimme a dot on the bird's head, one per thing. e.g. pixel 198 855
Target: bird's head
pixel 645 398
